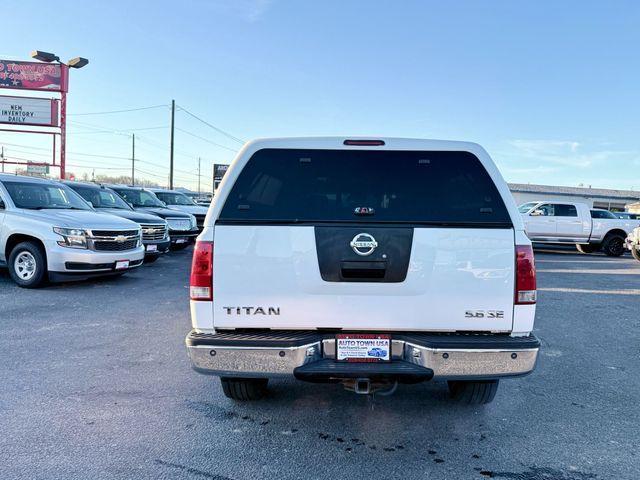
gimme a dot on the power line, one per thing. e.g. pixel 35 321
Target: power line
pixel 71 153
pixel 71 165
pixel 97 168
pixel 115 131
pixel 75 165
pixel 145 140
pixel 163 148
pixel 118 111
pixel 205 139
pixel 219 130
pixel 128 159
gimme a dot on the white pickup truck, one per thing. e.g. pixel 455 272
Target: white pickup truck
pixel 368 262
pixel 590 229
pixel 633 243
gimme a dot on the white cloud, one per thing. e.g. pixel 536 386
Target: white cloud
pixel 567 153
pixel 253 10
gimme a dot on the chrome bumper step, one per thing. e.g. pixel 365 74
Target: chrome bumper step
pixel 309 355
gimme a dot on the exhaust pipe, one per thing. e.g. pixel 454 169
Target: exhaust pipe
pixel 362 386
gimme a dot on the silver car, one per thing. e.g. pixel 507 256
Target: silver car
pixel 179 201
pixel 48 232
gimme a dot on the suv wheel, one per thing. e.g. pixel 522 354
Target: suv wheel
pixel 244 389
pixel 613 245
pixel 587 248
pixel 473 393
pixel 27 265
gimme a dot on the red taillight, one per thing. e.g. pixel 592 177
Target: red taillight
pixel 201 282
pixel 364 143
pixel 525 275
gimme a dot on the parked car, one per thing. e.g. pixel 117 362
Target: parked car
pixel 633 243
pixel 180 201
pixel 47 231
pixel 627 215
pixel 155 231
pixel 183 228
pixel 575 223
pixel 322 251
pixel 204 200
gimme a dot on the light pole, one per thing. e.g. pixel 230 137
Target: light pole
pixel 77 62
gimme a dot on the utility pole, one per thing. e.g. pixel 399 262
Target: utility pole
pixel 133 159
pixel 198 175
pixel 173 115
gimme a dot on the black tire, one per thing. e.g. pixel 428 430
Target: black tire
pixel 34 254
pixel 151 258
pixel 473 393
pixel 587 248
pixel 613 245
pixel 244 389
pixel 636 253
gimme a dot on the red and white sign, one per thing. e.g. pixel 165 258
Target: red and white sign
pixel 33 76
pixel 41 112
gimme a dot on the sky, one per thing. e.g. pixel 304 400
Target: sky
pixel 550 89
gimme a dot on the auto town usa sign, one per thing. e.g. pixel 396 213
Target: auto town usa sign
pixel 29 111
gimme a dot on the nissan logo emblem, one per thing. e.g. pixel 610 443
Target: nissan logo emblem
pixel 363 244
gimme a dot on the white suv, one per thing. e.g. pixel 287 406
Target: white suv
pixel 369 262
pixel 47 231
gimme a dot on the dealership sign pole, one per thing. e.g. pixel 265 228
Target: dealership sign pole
pixel 35 111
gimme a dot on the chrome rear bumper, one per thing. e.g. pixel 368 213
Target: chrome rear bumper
pixel 219 356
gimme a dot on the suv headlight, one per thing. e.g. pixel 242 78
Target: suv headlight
pixel 73 237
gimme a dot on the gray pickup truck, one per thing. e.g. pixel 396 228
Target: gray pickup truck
pixel 48 232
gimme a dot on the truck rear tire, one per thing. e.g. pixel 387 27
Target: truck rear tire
pixel 473 393
pixel 27 265
pixel 244 389
pixel 613 245
pixel 587 247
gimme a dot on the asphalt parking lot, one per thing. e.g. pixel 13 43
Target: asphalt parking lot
pixel 95 383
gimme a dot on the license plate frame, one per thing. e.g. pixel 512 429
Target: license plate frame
pixel 122 265
pixel 363 347
pixel 152 248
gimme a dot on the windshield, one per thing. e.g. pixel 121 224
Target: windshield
pixel 525 207
pixel 38 196
pixel 139 198
pixel 101 197
pixel 172 198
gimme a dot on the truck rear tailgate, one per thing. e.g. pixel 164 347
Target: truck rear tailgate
pixel 456 279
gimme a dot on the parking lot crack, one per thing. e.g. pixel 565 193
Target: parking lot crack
pixel 192 471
